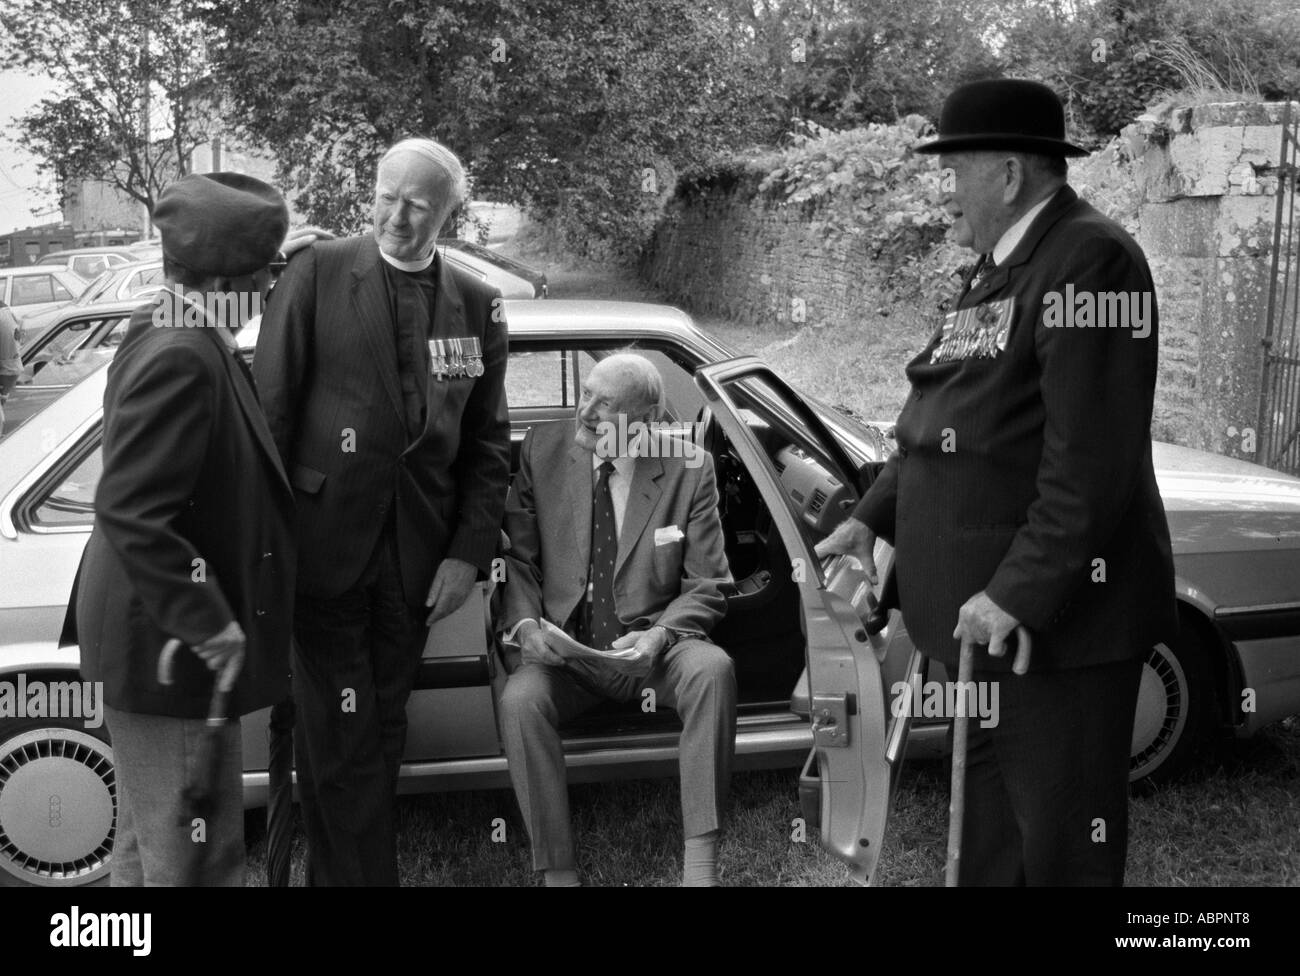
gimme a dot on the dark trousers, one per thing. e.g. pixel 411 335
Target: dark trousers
pixel 355 660
pixel 1047 786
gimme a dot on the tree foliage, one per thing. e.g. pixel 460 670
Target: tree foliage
pixel 1112 59
pixel 581 114
pixel 126 72
pixel 584 113
pixel 843 64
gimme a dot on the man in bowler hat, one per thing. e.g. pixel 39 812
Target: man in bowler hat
pixel 1022 503
pixel 193 535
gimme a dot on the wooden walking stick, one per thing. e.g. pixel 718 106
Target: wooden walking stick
pixel 960 735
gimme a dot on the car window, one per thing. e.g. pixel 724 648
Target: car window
pixel 821 488
pixel 553 378
pixel 139 280
pixel 61 360
pixel 90 265
pixel 61 292
pixel 72 500
pixel 540 379
pixel 114 338
pixel 61 342
pixel 32 289
pixel 72 368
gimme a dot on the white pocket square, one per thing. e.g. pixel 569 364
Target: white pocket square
pixel 668 535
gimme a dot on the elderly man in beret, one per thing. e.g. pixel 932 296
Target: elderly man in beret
pixel 1022 504
pixel 382 372
pixel 193 537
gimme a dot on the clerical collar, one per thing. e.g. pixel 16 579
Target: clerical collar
pixel 411 266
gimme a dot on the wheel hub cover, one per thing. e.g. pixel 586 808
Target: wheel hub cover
pixel 56 807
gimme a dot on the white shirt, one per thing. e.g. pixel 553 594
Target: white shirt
pixel 620 485
pixel 1013 234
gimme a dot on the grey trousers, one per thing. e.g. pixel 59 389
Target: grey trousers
pixel 695 679
pixel 156 839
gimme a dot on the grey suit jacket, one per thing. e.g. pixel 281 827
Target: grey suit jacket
pixel 670 567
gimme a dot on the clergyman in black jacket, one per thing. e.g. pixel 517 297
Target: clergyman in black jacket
pixel 382 372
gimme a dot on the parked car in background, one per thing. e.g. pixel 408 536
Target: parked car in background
pixel 816 689
pixel 88 262
pixel 69 345
pixel 514 278
pixel 150 250
pixel 138 281
pixel 35 288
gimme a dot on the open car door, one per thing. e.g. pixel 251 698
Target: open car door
pixel 809 485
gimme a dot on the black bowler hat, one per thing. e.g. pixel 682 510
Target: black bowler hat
pixel 1001 113
pixel 224 224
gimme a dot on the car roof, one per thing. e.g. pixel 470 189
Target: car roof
pixel 119 306
pixel 35 269
pixel 498 260
pixel 580 318
pixel 122 249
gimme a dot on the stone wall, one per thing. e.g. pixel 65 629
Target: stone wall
pixel 1208 183
pixel 724 249
pixel 1205 180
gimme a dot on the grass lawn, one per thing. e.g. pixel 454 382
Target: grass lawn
pixel 1233 820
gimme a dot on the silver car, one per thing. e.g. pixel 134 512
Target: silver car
pixel 816 687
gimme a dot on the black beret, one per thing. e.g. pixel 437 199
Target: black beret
pixel 225 224
pixel 1003 113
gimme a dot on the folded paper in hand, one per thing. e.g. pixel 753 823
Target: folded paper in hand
pixel 566 646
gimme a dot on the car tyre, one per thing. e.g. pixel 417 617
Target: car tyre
pixel 1174 711
pixel 58 803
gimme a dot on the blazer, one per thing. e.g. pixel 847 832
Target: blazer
pixel 1024 460
pixel 193 526
pixel 671 566
pixel 326 369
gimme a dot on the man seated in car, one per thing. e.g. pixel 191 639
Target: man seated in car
pixel 620 546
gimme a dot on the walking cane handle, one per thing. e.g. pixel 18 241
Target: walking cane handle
pixel 165 660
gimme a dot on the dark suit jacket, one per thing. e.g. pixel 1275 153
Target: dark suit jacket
pixel 327 374
pixel 193 527
pixel 1049 467
pixel 670 567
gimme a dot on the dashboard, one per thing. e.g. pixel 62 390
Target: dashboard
pixel 820 498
